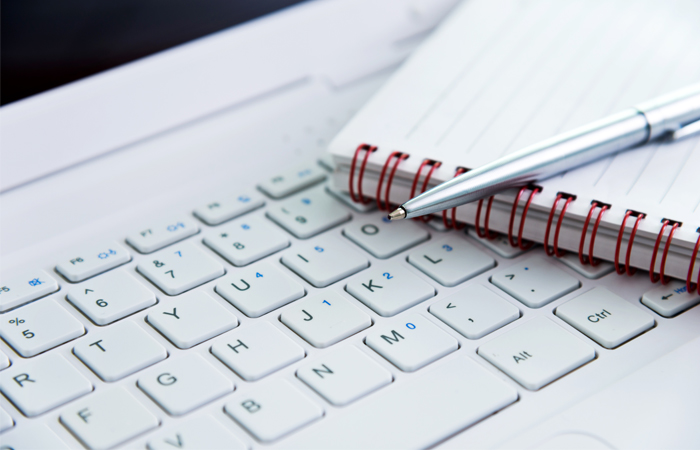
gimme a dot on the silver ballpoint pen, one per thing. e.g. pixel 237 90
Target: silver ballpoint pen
pixel 673 116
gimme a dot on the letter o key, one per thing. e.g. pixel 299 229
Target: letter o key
pixel 370 229
pixel 166 379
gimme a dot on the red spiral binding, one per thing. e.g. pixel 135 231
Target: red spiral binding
pixel 665 279
pixel 555 248
pixel 399 157
pixel 519 242
pixel 433 165
pixel 359 198
pixel 688 282
pixel 590 259
pixel 652 276
pixel 458 172
pixel 626 268
pixel 486 233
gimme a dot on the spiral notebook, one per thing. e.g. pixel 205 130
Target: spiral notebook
pixel 500 75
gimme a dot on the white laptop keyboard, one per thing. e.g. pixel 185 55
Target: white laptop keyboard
pixel 286 315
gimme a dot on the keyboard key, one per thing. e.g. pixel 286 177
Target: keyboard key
pixel 383 238
pixel 345 198
pixel 118 351
pixel 325 318
pixel 273 410
pixel 259 289
pixel 605 317
pixel 291 181
pixel 111 297
pixel 183 384
pixel 107 419
pixel 474 311
pixel 162 233
pixel 324 261
pixel 309 213
pixel 39 326
pixel 191 319
pixel 92 260
pixel 24 288
pixel 344 376
pixel 33 437
pixel 246 240
pixel 180 268
pixel 410 342
pixel 419 412
pixel 536 353
pixel 499 244
pixel 256 350
pixel 4 361
pixel 203 432
pixel 451 261
pixel 389 288
pixel 671 299
pixel 43 384
pixel 226 208
pixel 588 271
pixel 535 282
pixel 6 421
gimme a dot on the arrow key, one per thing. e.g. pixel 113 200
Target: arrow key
pixel 671 299
pixel 475 311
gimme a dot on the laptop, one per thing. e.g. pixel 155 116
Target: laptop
pixel 177 272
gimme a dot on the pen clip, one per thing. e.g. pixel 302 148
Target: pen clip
pixel 685 131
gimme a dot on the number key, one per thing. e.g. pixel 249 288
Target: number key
pixel 160 234
pixel 307 214
pixel 180 268
pixel 246 240
pixel 39 326
pixel 294 180
pixel 216 212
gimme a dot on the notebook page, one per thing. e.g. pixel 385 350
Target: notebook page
pixel 479 89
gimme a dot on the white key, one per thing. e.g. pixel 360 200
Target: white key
pixel 91 260
pixel 410 342
pixel 389 288
pixel 535 282
pixel 24 288
pixel 345 198
pixel 259 289
pixel 4 361
pixel 191 319
pixel 588 271
pixel 107 419
pixel 451 261
pixel 344 376
pixel 184 383
pixel 272 410
pixel 111 297
pixel 499 244
pixel 671 299
pixel 39 326
pixel 291 181
pixel 309 213
pixel 6 421
pixel 219 211
pixel 180 268
pixel 256 350
pixel 33 437
pixel 246 240
pixel 324 261
pixel 605 317
pixel 162 233
pixel 419 412
pixel 382 237
pixel 42 384
pixel 325 318
pixel 536 353
pixel 118 351
pixel 326 161
pixel 202 432
pixel 474 311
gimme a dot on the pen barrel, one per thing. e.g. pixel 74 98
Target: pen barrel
pixel 671 112
pixel 565 151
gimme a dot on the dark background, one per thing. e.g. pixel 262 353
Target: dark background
pixel 47 43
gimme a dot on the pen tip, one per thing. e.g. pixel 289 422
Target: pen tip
pixel 397 214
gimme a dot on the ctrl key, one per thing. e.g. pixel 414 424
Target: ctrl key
pixel 536 353
pixel 108 419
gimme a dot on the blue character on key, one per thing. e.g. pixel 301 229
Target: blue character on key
pixel 35 282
